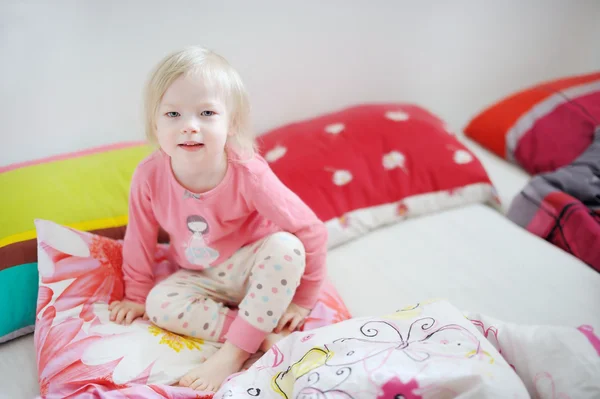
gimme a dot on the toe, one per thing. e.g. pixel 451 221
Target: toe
pixel 191 377
pixel 199 385
pixel 185 381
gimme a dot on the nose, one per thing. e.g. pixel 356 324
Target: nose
pixel 190 126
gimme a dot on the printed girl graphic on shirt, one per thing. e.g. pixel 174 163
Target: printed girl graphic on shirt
pixel 197 252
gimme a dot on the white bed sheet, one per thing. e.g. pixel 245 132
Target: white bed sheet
pixel 506 177
pixel 18 369
pixel 474 257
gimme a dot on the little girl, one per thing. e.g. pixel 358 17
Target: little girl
pixel 251 253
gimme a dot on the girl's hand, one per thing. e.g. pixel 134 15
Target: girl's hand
pixel 293 318
pixel 125 312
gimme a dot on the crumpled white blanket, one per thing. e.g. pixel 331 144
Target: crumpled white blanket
pixel 429 350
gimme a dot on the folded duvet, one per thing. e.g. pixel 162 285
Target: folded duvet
pixel 563 206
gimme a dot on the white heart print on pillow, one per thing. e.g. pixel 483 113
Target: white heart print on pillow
pixel 397 116
pixel 275 154
pixel 394 159
pixel 340 177
pixel 335 128
pixel 462 157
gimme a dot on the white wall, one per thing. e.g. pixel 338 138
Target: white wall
pixel 72 71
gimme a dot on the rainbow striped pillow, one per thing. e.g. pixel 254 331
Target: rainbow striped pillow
pixel 87 190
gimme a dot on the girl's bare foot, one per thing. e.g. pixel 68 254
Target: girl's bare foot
pixel 272 339
pixel 209 376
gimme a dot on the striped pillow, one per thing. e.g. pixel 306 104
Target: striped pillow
pixel 86 190
pixel 544 127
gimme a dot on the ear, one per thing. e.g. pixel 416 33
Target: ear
pixel 232 131
pixel 233 127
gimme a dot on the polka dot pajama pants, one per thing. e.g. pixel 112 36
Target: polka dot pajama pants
pixel 240 300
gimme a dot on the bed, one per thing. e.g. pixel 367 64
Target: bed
pixel 472 256
pixel 507 177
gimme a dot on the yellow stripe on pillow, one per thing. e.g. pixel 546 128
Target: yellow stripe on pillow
pixel 86 192
pixel 85 226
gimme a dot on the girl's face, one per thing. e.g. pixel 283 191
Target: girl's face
pixel 192 123
pixel 198 226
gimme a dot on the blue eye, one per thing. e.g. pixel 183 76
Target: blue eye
pixel 207 113
pixel 172 114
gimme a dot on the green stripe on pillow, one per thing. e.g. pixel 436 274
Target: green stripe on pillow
pixel 18 300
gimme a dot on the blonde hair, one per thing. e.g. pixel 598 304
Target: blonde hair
pixel 216 71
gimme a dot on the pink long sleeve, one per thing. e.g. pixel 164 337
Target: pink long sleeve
pixel 139 245
pixel 248 205
pixel 277 203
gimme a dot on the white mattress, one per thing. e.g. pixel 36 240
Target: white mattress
pixel 475 258
pixel 506 177
pixel 472 256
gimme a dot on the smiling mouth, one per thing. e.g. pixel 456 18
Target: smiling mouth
pixel 191 146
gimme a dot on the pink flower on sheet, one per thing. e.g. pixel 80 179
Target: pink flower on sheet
pixel 58 353
pixel 151 391
pixel 98 277
pixel 62 374
pixel 175 392
pixel 395 388
pixel 329 309
pixel 44 297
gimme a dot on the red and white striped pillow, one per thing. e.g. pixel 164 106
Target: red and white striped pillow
pixel 544 127
pixel 371 165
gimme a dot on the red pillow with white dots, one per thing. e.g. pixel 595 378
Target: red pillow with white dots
pixel 371 165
